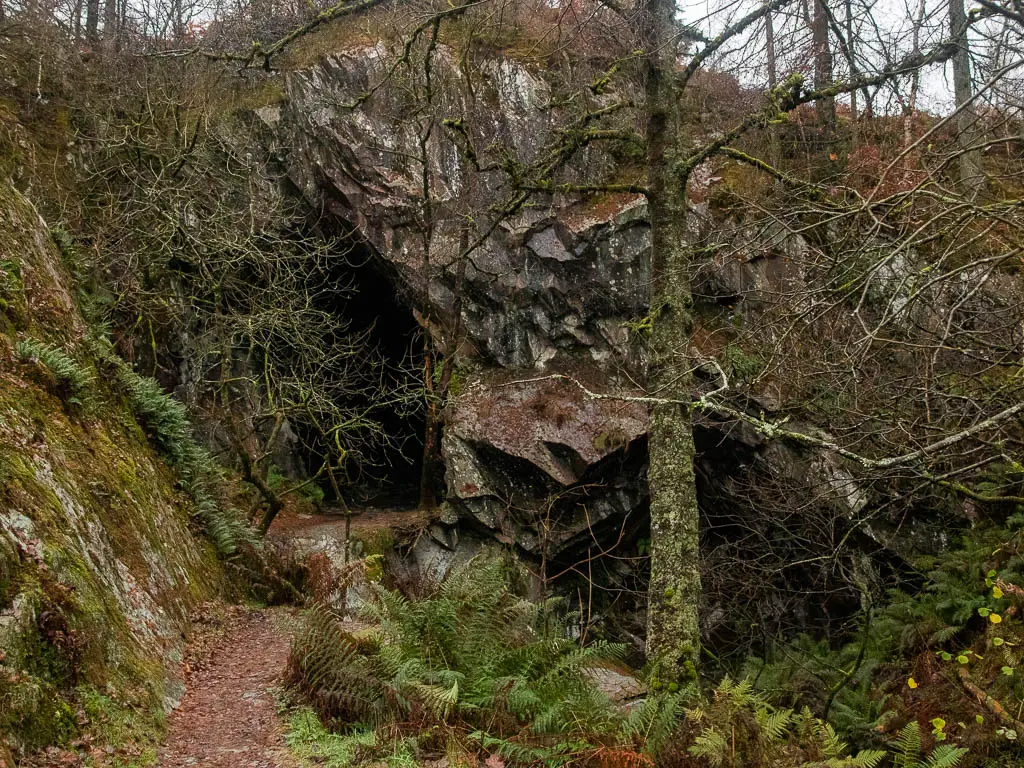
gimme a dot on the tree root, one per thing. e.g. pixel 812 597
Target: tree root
pixel 989 703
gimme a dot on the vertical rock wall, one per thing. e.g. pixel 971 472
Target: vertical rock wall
pixel 552 290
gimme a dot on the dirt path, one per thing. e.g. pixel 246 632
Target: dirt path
pixel 365 522
pixel 228 717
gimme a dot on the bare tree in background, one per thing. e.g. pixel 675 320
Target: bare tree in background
pixel 826 105
pixel 972 177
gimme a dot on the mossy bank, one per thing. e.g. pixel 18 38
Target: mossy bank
pixel 101 557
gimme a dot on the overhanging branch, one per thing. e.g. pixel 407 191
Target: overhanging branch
pixel 772 430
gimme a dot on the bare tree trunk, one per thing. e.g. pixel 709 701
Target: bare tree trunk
pixel 673 633
pixel 851 54
pixel 109 24
pixel 348 531
pixel 969 161
pixel 434 392
pixel 433 397
pixel 177 20
pixel 915 80
pixel 251 472
pixel 92 21
pixel 76 21
pixel 433 461
pixel 253 475
pixel 826 107
pixel 773 80
pixel 431 435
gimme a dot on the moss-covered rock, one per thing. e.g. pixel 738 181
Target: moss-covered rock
pixel 99 560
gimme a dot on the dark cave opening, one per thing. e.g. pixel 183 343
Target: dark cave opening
pixel 367 298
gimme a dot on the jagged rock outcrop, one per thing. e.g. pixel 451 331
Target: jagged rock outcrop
pixel 539 463
pixel 560 288
pixel 552 289
pixel 547 283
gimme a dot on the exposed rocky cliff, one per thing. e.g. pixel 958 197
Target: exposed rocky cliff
pixel 552 289
pixel 561 290
pixel 548 283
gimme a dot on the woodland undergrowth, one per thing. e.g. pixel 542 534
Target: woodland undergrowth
pixel 471 670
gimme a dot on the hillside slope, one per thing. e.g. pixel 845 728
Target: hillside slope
pixel 98 563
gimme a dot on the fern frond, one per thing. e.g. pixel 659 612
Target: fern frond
pixel 908 746
pixel 863 759
pixel 442 701
pixel 712 746
pixel 75 378
pixel 774 723
pixel 945 756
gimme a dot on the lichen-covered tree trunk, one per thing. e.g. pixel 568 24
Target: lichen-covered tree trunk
pixel 673 601
pixel 673 633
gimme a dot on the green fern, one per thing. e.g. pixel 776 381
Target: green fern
pixel 655 720
pixel 806 672
pixel 75 380
pixel 737 728
pixel 469 653
pixel 712 745
pixel 773 723
pixel 908 751
pixel 519 752
pixel 11 286
pixel 167 423
pixel 472 659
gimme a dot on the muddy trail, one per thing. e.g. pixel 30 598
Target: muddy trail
pixel 228 716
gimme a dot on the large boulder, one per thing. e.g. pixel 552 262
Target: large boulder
pixel 551 281
pixel 540 462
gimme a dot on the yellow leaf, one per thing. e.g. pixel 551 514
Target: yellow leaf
pixel 997 592
pixel 911 683
pixel 995 618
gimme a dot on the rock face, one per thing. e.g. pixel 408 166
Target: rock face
pixel 98 566
pixel 559 289
pixel 550 303
pixel 552 289
pixel 540 463
pixel 547 283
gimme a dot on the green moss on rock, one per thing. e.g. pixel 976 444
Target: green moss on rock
pixel 99 562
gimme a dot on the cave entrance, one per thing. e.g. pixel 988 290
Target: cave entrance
pixel 367 297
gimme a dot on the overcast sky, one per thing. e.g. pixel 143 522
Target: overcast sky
pixel 884 29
